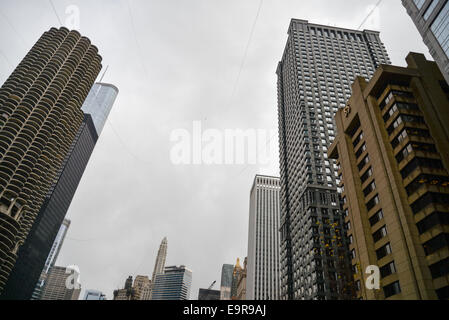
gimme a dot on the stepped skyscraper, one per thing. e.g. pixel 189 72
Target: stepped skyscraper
pixel 159 266
pixel 314 77
pixel 40 117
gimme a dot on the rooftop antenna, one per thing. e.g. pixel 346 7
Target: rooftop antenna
pixel 101 79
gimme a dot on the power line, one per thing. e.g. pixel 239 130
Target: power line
pixel 370 13
pixel 246 49
pixel 55 12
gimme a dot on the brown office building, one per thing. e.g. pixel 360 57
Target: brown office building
pixel 40 115
pixel 392 150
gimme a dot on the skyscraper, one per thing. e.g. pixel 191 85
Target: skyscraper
pixel 431 17
pixel 56 288
pixel 393 151
pixel 208 294
pixel 51 259
pixel 94 295
pixel 160 261
pixel 40 116
pixel 263 240
pixel 32 254
pixel 235 279
pixel 173 284
pixel 318 65
pixel 226 281
pixel 141 286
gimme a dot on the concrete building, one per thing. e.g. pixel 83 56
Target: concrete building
pixel 127 293
pixel 263 282
pixel 173 284
pixel 392 152
pixel 141 288
pixel 226 281
pixel 208 294
pixel 431 17
pixel 314 77
pixel 32 254
pixel 40 118
pixel 159 265
pixel 94 295
pixel 61 284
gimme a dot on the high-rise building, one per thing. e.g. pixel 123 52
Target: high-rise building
pixel 263 240
pixel 235 279
pixel 431 17
pixel 159 265
pixel 226 281
pixel 58 286
pixel 40 116
pixel 127 293
pixel 94 295
pixel 318 65
pixel 51 259
pixel 32 254
pixel 208 294
pixel 173 284
pixel 392 149
pixel 141 286
pixel 241 282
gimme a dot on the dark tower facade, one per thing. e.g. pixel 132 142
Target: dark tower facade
pixel 40 117
pixel 318 65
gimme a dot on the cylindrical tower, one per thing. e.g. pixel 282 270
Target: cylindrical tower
pixel 40 114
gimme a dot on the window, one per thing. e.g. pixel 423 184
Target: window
pixel 379 215
pixel 430 9
pixel 440 268
pixel 383 251
pixel 440 28
pixel 431 221
pixel 373 202
pixel 361 150
pixel 387 269
pixel 419 3
pixel 369 189
pixel 435 244
pixel 367 175
pixel 380 234
pixel 364 162
pixel 392 289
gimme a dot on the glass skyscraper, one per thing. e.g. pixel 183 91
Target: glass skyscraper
pixel 173 284
pixel 431 17
pixel 314 78
pixel 226 281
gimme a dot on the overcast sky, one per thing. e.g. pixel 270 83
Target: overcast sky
pixel 176 62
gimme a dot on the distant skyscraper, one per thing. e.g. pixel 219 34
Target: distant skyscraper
pixel 40 116
pixel 57 201
pixel 55 287
pixel 263 240
pixel 226 281
pixel 160 261
pixel 393 150
pixel 127 293
pixel 431 17
pixel 314 77
pixel 208 294
pixel 94 295
pixel 241 282
pixel 173 284
pixel 141 286
pixel 51 259
pixel 235 279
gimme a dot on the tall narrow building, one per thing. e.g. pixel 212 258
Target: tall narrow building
pixel 226 281
pixel 51 259
pixel 318 65
pixel 431 17
pixel 32 255
pixel 159 265
pixel 40 116
pixel 263 281
pixel 56 288
pixel 173 284
pixel 393 153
